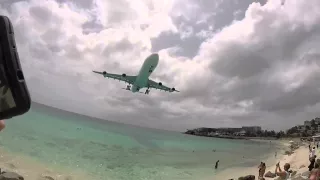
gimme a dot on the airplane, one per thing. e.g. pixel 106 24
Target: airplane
pixel 142 79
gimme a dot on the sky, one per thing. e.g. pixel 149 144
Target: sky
pixel 236 62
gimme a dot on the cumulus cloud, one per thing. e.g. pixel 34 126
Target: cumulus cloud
pixel 236 63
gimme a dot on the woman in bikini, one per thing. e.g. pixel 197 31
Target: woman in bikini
pixel 262 169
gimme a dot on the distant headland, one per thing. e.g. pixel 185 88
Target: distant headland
pixel 309 129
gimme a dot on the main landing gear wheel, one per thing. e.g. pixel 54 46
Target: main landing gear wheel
pixel 147 91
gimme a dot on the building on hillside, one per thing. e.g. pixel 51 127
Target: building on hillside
pixel 316 137
pixel 307 123
pixel 317 120
pixel 251 129
pixel 241 133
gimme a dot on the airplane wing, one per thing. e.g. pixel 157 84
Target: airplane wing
pixel 122 77
pixel 160 86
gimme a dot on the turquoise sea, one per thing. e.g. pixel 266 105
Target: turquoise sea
pixel 108 150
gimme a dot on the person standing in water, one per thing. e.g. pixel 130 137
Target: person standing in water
pixel 217 164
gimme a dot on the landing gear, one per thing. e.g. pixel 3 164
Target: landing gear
pixel 147 91
pixel 128 87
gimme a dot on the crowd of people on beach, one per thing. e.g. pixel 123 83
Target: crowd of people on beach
pixel 282 174
pixel 314 163
pixel 313 168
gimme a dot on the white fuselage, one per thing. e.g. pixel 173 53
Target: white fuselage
pixel 147 68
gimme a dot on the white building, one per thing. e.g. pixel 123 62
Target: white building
pixel 241 133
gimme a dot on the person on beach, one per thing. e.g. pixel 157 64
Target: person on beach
pixel 2 125
pixel 283 175
pixel 217 164
pixel 262 169
pixel 312 162
pixel 315 172
pixel 313 152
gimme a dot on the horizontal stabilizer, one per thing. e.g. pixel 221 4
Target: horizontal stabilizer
pixel 97 72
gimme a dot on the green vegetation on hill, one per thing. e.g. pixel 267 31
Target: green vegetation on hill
pixel 296 131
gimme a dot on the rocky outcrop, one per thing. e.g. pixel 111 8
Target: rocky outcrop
pixel 307 173
pixel 249 177
pixel 270 175
pixel 10 176
pixel 289 152
pixel 294 173
pixel 299 178
pixel 294 146
pixel 46 178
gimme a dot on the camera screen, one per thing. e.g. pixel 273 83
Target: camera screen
pixel 6 99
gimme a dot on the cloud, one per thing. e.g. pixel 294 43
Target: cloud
pixel 236 63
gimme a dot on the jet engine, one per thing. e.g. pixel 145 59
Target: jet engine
pixel 173 89
pixel 104 73
pixel 124 75
pixel 160 84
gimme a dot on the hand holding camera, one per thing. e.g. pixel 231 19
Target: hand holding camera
pixel 14 95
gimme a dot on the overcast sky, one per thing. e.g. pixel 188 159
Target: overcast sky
pixel 236 62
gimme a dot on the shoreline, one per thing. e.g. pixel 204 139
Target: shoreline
pixel 269 158
pixel 298 161
pixel 31 168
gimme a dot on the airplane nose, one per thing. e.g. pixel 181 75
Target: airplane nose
pixel 156 56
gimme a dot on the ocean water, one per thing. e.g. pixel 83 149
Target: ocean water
pixel 106 150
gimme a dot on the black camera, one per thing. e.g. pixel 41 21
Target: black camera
pixel 14 95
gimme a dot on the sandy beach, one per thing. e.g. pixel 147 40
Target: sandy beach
pixel 298 160
pixel 32 169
